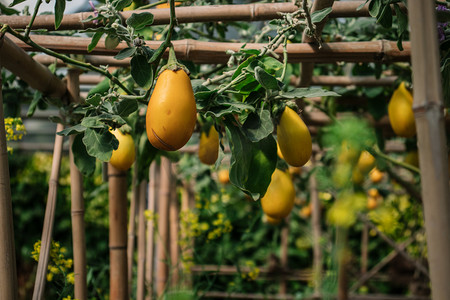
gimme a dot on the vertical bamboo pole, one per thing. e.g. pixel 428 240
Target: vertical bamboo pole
pixel 174 218
pixel 150 255
pixel 342 259
pixel 49 218
pixel 284 254
pixel 77 202
pixel 8 273
pixel 187 203
pixel 430 126
pixel 316 233
pixel 140 295
pixel 117 234
pixel 163 225
pixel 132 229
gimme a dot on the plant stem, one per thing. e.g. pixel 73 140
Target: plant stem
pixel 394 161
pixel 67 59
pixel 33 17
pixel 285 60
pixel 152 4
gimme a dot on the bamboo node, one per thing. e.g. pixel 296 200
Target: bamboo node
pixel 117 247
pixel 422 109
pixel 77 212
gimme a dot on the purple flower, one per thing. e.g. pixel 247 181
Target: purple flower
pixel 441 26
pixel 95 11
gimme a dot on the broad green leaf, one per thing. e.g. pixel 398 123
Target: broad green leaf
pixel 141 70
pixel 37 97
pixel 15 2
pixel 319 15
pixel 402 25
pixel 72 130
pixel 95 38
pixel 84 162
pixel 121 4
pixel 374 8
pixel 8 11
pixel 225 108
pixel 243 65
pixel 125 53
pixel 92 122
pixel 100 143
pixel 271 65
pixel 385 18
pixel 95 99
pixel 252 164
pixel 266 80
pixel 125 107
pixel 258 126
pixel 60 6
pixel 307 93
pixel 362 5
pixel 139 21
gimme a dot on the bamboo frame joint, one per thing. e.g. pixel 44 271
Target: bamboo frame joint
pixel 422 109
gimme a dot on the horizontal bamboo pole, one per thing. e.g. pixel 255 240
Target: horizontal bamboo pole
pixel 226 295
pixel 381 51
pixel 35 74
pixel 190 14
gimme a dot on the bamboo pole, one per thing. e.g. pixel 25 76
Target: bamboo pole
pixel 117 234
pixel 364 249
pixel 153 188
pixel 428 112
pixel 316 232
pixel 36 75
pixel 342 254
pixel 187 203
pixel 77 202
pixel 284 245
pixel 307 68
pixel 140 293
pixel 174 225
pixel 46 239
pixel 324 80
pixel 8 273
pixel 381 51
pixel 163 226
pixel 132 229
pixel 189 14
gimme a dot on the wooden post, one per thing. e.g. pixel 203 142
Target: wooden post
pixel 163 225
pixel 77 202
pixel 132 229
pixel 284 254
pixel 118 234
pixel 187 203
pixel 364 249
pixel 153 188
pixel 342 260
pixel 8 274
pixel 49 218
pixel 174 218
pixel 140 294
pixel 430 126
pixel 316 233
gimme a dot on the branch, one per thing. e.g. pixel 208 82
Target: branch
pixel 394 161
pixel 310 25
pixel 67 59
pixel 28 28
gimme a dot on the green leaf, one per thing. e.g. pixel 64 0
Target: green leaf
pixel 60 6
pixel 84 162
pixel 7 11
pixel 15 2
pixel 319 15
pixel 307 93
pixel 257 127
pixel 362 5
pixel 266 80
pixel 121 4
pixel 402 25
pixel 385 18
pixel 94 99
pixel 72 130
pixel 100 143
pixel 271 65
pixel 226 108
pixel 37 97
pixel 125 107
pixel 252 164
pixel 141 70
pixel 374 8
pixel 125 53
pixel 92 122
pixel 139 21
pixel 95 38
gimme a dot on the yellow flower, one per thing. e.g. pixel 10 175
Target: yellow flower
pixel 70 278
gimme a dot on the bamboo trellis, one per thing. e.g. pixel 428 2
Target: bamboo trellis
pixel 191 14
